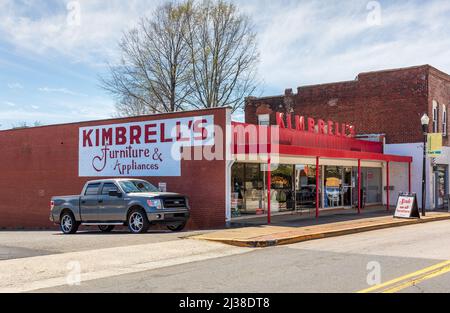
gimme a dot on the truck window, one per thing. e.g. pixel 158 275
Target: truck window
pixel 92 190
pixel 107 187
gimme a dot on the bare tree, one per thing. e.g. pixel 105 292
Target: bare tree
pixel 132 106
pixel 224 55
pixel 186 55
pixel 154 71
pixel 21 125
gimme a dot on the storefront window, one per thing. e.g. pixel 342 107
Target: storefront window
pixel 237 190
pixel 305 188
pixel 281 189
pixel 293 187
pixel 254 189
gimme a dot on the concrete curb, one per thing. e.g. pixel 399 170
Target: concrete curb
pixel 280 239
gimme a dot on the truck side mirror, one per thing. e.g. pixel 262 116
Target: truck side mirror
pixel 115 193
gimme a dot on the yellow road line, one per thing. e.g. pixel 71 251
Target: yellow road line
pixel 409 280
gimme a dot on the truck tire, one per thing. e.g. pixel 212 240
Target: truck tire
pixel 177 227
pixel 138 222
pixel 68 224
pixel 106 228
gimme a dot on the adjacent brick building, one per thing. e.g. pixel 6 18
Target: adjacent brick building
pixel 389 102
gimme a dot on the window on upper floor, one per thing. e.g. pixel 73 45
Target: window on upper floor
pixel 264 119
pixel 444 120
pixel 435 117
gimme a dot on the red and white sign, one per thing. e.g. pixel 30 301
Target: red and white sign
pixel 150 148
pixel 405 207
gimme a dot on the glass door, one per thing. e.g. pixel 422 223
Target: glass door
pixel 305 188
pixel 441 186
pixel 333 187
pixel 347 187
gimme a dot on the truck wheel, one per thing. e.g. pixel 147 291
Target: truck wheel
pixel 138 222
pixel 68 224
pixel 177 227
pixel 106 228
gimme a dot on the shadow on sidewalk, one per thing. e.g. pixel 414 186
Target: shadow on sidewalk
pixel 306 219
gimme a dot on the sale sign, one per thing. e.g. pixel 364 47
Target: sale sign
pixel 150 148
pixel 407 207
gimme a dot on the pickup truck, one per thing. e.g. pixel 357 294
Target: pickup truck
pixel 120 202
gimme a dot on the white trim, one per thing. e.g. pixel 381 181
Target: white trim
pixel 435 116
pixel 444 121
pixel 264 119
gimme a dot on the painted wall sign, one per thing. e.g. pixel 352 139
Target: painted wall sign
pixel 320 126
pixel 149 148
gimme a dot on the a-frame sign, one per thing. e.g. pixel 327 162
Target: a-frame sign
pixel 407 206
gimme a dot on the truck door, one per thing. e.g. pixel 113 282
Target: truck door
pixel 89 203
pixel 112 208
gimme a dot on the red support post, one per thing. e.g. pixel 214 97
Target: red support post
pixel 409 177
pixel 317 187
pixel 387 187
pixel 359 186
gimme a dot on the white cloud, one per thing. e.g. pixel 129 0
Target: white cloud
pixel 93 41
pixel 56 113
pixel 10 104
pixel 61 90
pixel 301 42
pixel 310 42
pixel 15 86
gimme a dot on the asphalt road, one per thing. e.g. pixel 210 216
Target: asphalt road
pixel 341 264
pixel 23 244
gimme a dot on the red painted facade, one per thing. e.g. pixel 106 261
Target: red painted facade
pixel 38 163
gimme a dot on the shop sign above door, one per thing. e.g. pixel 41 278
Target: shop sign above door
pixel 139 149
pixel 315 126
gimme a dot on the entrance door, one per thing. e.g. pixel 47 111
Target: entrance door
pixel 440 176
pixel 347 187
pixel 305 188
pixel 333 187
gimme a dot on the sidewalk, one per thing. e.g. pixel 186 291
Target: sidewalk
pixel 329 226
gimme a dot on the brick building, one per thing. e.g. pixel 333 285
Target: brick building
pixel 229 170
pixel 388 103
pixel 40 162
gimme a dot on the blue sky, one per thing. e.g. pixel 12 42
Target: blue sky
pixel 53 51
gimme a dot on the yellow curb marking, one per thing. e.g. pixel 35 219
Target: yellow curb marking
pixel 409 280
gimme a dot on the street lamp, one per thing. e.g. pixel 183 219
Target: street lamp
pixel 425 120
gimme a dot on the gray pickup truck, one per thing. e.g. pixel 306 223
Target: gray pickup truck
pixel 112 202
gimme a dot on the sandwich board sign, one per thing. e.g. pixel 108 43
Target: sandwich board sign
pixel 407 206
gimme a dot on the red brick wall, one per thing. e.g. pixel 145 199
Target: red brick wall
pixel 439 91
pixel 38 163
pixel 390 102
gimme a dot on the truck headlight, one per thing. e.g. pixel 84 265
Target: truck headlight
pixel 154 204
